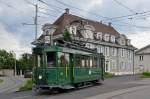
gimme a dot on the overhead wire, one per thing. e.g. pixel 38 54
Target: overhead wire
pixel 126 7
pixel 73 7
pixel 47 14
pixel 121 4
pixel 60 8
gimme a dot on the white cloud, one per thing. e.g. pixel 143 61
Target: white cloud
pixel 11 42
pixel 140 39
pixel 91 4
pixel 19 39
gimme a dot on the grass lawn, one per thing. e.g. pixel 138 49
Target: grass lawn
pixel 145 75
pixel 1 80
pixel 26 86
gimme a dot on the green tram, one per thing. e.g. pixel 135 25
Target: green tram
pixel 65 68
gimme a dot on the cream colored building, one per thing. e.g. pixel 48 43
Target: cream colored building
pixel 142 59
pixel 118 51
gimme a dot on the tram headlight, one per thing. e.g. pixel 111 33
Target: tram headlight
pixel 40 76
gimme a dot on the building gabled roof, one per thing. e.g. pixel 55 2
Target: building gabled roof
pixel 65 19
pixel 139 50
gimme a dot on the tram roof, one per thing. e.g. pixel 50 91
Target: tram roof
pixel 42 49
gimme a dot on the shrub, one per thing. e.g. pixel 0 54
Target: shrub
pixel 108 75
pixel 26 86
pixel 146 74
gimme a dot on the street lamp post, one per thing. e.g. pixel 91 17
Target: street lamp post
pixel 15 69
pixel 106 66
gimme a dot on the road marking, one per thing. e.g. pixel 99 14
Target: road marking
pixel 21 97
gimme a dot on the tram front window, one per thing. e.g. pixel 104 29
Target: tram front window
pixel 51 56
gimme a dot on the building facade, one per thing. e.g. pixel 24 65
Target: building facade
pixel 142 59
pixel 118 51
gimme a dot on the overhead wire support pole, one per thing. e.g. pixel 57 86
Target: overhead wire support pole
pixel 36 21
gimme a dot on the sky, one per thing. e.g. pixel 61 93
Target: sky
pixel 14 36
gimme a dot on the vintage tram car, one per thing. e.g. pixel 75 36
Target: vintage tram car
pixel 66 67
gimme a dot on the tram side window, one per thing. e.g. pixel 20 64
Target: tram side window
pixel 63 59
pixel 78 60
pixel 91 61
pixel 87 61
pixel 83 61
pixel 66 59
pixel 95 62
pixel 51 57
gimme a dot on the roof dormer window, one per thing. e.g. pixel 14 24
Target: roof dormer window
pixel 112 38
pixel 128 42
pixel 99 35
pixel 106 37
pixel 73 30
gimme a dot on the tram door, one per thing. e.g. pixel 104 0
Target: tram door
pixel 72 68
pixel 64 69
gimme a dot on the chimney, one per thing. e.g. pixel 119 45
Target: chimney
pixel 67 11
pixel 109 24
pixel 101 22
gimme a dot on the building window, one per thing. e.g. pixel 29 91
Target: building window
pixel 129 66
pixel 122 52
pixel 107 51
pixel 128 42
pixel 73 30
pixel 113 51
pixel 141 58
pixel 128 54
pixel 112 38
pixel 102 49
pixel 123 42
pixel 122 66
pixel 113 64
pixel 99 35
pixel 89 33
pixel 106 37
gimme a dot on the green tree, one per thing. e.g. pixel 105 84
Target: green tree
pixel 66 35
pixel 26 62
pixel 7 59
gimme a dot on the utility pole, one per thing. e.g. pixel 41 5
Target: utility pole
pixel 15 68
pixel 35 21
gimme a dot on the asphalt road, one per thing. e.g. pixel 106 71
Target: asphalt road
pixel 10 84
pixel 108 86
pixel 137 94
